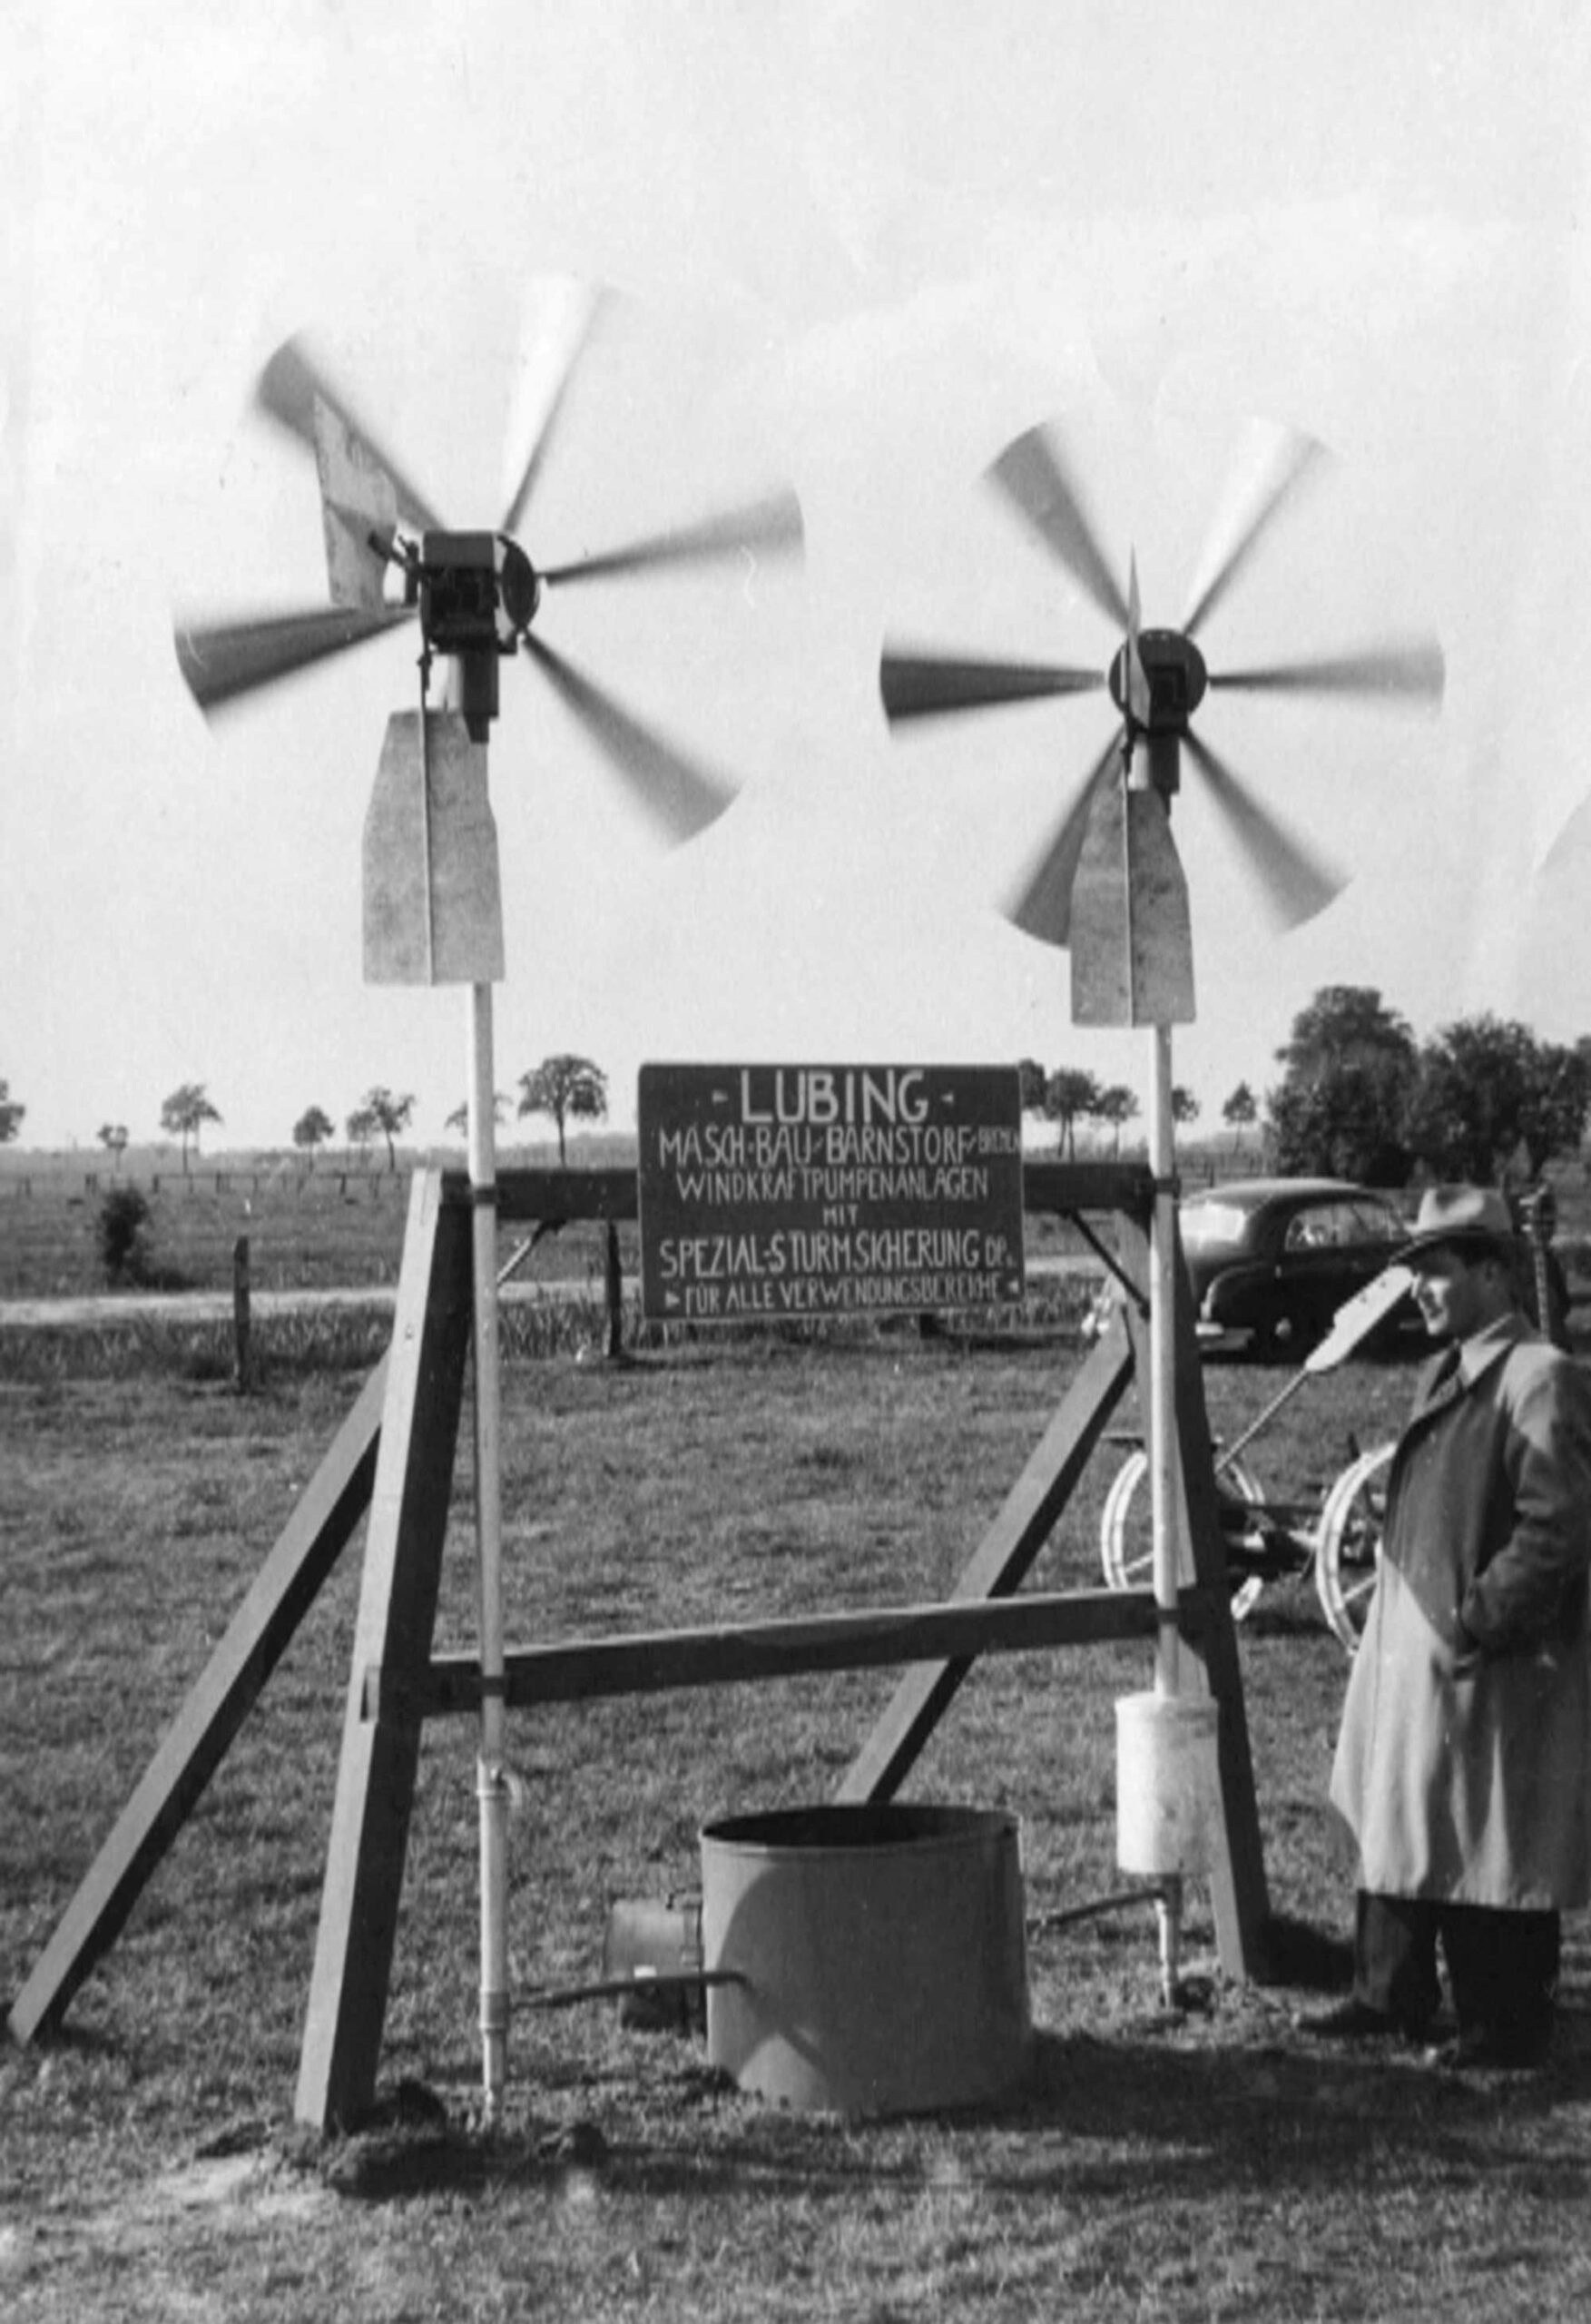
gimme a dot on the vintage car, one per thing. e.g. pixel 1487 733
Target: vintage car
pixel 1272 1259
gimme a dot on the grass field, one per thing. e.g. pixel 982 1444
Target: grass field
pixel 1205 2163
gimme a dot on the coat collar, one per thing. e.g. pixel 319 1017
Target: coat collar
pixel 1443 1380
pixel 1479 1353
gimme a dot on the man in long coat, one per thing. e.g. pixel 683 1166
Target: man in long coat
pixel 1463 1768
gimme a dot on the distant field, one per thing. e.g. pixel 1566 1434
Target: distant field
pixel 336 1227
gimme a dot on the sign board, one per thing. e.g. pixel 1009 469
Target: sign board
pixel 776 1191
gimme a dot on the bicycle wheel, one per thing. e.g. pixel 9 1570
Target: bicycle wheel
pixel 1126 1546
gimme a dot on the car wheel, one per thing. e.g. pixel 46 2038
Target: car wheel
pixel 1348 1547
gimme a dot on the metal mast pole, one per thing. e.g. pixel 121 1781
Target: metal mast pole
pixel 491 1775
pixel 470 692
pixel 1162 1452
pixel 1162 1467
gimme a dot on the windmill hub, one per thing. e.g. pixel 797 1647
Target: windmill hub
pixel 478 593
pixel 1174 668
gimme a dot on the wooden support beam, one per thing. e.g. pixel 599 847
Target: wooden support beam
pixel 202 1733
pixel 996 1567
pixel 397 1608
pixel 749 1653
pixel 527 1195
pixel 1126 1189
pixel 1060 1188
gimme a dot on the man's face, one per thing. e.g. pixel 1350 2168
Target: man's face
pixel 1457 1295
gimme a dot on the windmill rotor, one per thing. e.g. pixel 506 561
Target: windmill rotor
pixel 1158 679
pixel 476 596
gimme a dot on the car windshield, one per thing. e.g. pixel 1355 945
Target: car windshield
pixel 1213 1225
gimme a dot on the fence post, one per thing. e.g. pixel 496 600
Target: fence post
pixel 240 1317
pixel 616 1294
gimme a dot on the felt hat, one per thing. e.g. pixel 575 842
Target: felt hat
pixel 1476 1217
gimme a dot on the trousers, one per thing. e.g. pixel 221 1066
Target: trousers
pixel 1502 1966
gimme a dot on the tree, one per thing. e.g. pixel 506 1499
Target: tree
pixel 361 1129
pixel 1032 1081
pixel 1555 1118
pixel 1340 1108
pixel 1070 1095
pixel 458 1118
pixel 569 1088
pixel 1489 1093
pixel 389 1114
pixel 122 1232
pixel 312 1129
pixel 185 1114
pixel 112 1137
pixel 1185 1108
pixel 1239 1112
pixel 11 1114
pixel 1118 1105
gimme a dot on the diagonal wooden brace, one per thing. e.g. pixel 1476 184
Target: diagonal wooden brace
pixel 200 1734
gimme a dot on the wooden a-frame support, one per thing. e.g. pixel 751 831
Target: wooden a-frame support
pixel 394 1455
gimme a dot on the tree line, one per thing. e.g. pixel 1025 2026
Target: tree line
pixel 1071 1096
pixel 1358 1098
pixel 566 1088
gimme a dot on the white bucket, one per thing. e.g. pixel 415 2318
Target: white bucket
pixel 1168 1783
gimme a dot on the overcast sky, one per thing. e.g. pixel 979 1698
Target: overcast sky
pixel 863 247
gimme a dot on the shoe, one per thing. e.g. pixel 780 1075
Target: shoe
pixel 1354 2021
pixel 1497 2049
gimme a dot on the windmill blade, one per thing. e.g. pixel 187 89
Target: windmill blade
pixel 1291 461
pixel 1040 900
pixel 927 685
pixel 1032 474
pixel 1295 882
pixel 680 796
pixel 770 526
pixel 223 660
pixel 287 390
pixel 1411 671
pixel 551 362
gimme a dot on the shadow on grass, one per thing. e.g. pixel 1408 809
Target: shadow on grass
pixel 1209 2120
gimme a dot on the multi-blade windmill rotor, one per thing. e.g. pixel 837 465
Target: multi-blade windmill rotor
pixel 477 595
pixel 1157 680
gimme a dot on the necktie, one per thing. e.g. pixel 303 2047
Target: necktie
pixel 1446 1366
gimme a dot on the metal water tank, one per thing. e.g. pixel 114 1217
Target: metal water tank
pixel 880 1954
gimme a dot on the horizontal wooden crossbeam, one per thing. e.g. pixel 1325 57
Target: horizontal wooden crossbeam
pixel 656 1661
pixel 527 1195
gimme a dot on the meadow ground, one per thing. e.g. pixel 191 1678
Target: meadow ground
pixel 1206 2162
